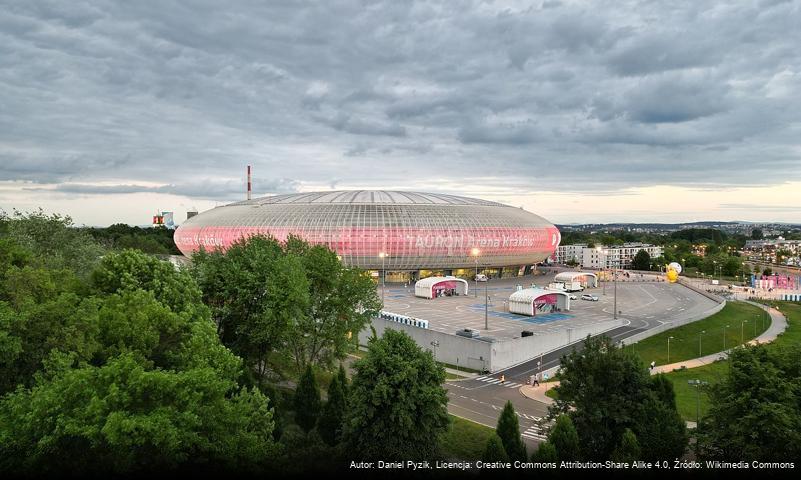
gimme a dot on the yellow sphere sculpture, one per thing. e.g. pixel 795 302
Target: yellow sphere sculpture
pixel 672 276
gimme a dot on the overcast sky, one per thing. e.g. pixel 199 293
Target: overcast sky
pixel 579 111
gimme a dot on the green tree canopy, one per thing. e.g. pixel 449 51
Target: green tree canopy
pixel 508 430
pixel 333 414
pixel 641 261
pixel 397 406
pixel 629 448
pixel 754 411
pixel 307 401
pixel 494 451
pixel 565 439
pixel 605 390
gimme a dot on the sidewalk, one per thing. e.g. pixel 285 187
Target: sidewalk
pixel 778 324
pixel 538 393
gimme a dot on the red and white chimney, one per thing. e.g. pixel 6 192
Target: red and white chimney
pixel 249 187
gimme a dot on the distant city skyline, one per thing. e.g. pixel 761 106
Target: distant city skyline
pixel 579 111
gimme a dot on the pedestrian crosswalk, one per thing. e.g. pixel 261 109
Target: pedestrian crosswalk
pixel 497 381
pixel 533 433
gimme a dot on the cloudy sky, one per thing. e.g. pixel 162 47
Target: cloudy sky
pixel 580 111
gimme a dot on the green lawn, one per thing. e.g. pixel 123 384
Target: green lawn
pixel 465 440
pixel 684 345
pixel 686 395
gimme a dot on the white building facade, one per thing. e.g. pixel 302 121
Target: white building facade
pixel 602 257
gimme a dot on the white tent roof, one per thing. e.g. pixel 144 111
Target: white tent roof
pixel 569 276
pixel 531 294
pixel 431 281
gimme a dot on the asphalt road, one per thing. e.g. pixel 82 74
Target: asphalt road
pixel 481 399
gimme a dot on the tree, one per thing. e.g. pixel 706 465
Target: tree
pixel 331 419
pixel 754 409
pixel 255 291
pixel 123 417
pixel 307 401
pixel 121 376
pixel 641 261
pixel 663 434
pixel 565 439
pixel 397 406
pixel 545 453
pixel 605 390
pixel 628 450
pixel 508 430
pixel 342 300
pixel 756 234
pixel 494 451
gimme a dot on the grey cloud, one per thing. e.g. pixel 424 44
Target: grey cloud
pixel 640 93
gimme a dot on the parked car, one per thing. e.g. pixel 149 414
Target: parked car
pixel 573 297
pixel 481 277
pixel 589 297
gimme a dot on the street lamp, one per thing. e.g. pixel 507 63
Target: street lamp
pixel 435 344
pixel 475 253
pixel 742 336
pixel 699 341
pixel 668 360
pixel 383 257
pixel 724 337
pixel 697 383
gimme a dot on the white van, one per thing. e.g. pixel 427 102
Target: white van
pixel 481 277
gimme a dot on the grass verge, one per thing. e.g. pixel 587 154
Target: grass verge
pixel 738 322
pixel 465 440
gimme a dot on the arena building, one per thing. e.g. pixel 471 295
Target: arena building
pixel 408 235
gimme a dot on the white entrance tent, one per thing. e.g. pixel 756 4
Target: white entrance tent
pixel 586 279
pixel 433 287
pixel 533 301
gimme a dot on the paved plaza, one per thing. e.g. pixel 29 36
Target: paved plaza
pixel 640 302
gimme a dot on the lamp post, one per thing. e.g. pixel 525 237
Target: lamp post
pixel 699 342
pixel 756 317
pixel 668 360
pixel 724 337
pixel 614 281
pixel 697 383
pixel 742 335
pixel 383 257
pixel 435 344
pixel 486 304
pixel 475 253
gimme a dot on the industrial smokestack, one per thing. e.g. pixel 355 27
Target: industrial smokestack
pixel 249 182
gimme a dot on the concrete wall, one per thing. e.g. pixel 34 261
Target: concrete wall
pixel 478 354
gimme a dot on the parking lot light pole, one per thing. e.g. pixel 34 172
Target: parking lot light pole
pixel 486 304
pixel 475 252
pixel 383 275
pixel 724 337
pixel 742 335
pixel 699 342
pixel 435 344
pixel 668 360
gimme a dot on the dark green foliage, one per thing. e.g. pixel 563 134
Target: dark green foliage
pixel 120 236
pixel 124 374
pixel 53 240
pixel 331 420
pixel 292 299
pixel 397 406
pixel 546 452
pixel 641 261
pixel 606 390
pixel 628 450
pixel 565 439
pixel 307 400
pixel 754 411
pixel 494 451
pixel 508 430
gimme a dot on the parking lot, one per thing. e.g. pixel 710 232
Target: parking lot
pixel 644 303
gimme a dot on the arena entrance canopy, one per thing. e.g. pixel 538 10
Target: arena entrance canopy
pixel 433 287
pixel 534 301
